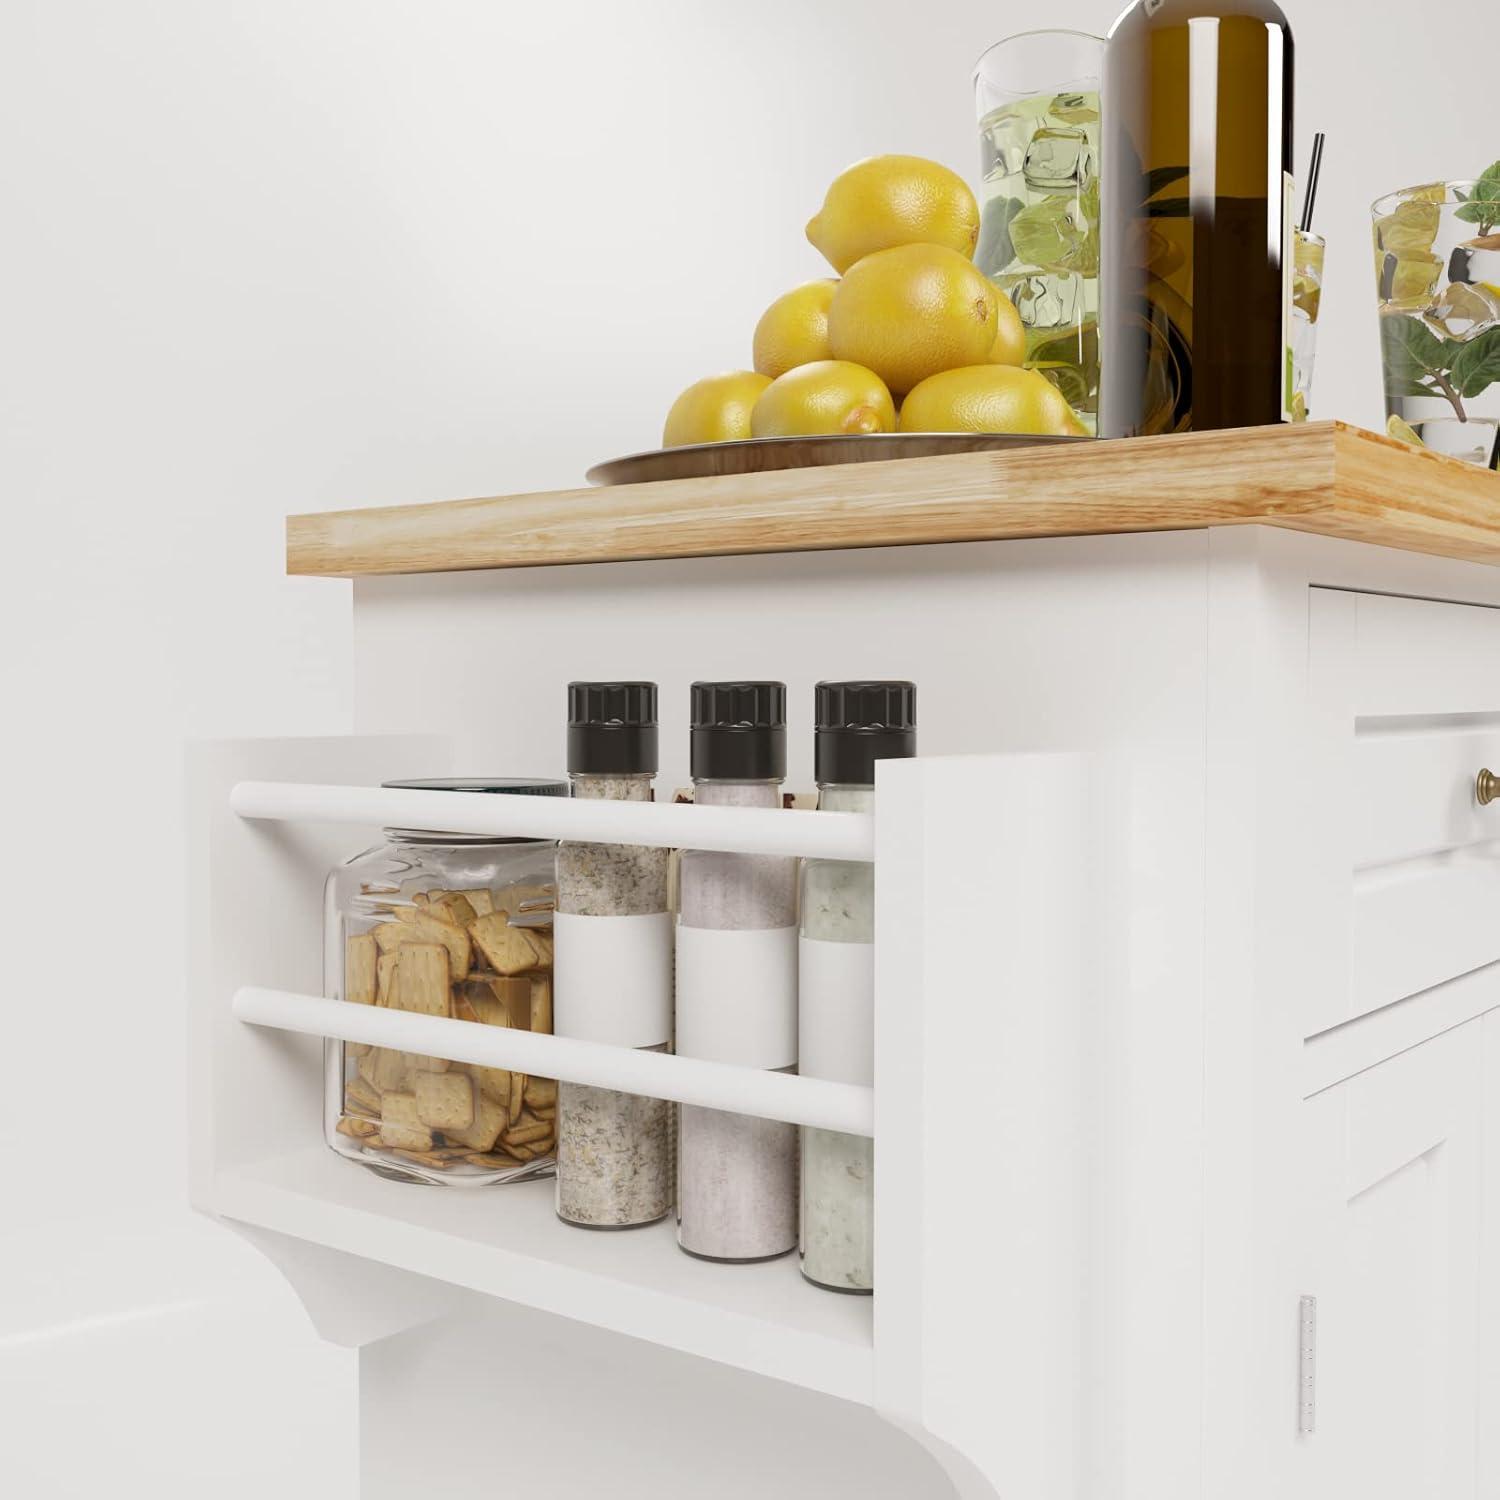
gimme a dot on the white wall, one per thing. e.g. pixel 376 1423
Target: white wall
pixel 268 257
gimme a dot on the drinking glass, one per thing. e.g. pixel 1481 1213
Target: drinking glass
pixel 1037 96
pixel 1437 272
pixel 1307 298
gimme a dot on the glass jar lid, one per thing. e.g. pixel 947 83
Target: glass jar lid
pixel 510 786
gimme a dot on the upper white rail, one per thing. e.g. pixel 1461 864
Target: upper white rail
pixel 734 830
pixel 655 1075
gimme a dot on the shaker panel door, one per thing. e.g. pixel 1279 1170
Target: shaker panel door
pixel 1398 1162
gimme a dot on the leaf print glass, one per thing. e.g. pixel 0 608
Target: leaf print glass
pixel 1437 274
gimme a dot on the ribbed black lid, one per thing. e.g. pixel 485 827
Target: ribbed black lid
pixel 859 723
pixel 612 728
pixel 739 731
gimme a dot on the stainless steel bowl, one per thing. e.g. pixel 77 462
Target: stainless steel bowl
pixel 760 455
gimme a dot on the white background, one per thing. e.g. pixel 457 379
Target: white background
pixel 258 258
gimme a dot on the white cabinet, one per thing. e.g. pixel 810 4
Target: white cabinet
pixel 1188 1007
pixel 1398 1198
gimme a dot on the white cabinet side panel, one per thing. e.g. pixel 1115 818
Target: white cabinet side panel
pixel 1038 1098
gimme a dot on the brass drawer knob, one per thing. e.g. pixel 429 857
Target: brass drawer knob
pixel 1486 787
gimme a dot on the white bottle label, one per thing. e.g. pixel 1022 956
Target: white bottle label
pixel 612 979
pixel 836 1030
pixel 737 995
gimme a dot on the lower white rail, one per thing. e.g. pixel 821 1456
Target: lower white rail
pixel 655 1075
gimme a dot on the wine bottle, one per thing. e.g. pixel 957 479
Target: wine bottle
pixel 1195 272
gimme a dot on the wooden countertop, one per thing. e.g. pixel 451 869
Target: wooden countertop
pixel 1321 477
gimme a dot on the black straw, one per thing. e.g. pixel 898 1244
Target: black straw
pixel 1313 168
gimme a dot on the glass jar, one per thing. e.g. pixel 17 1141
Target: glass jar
pixel 449 925
pixel 858 723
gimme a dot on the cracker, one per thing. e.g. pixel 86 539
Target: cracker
pixel 540 1003
pixel 383 1070
pixel 400 1128
pixel 452 937
pixel 496 1083
pixel 451 906
pixel 361 1095
pixel 356 1128
pixel 492 1160
pixel 527 1133
pixel 385 979
pixel 415 925
pixel 445 1101
pixel 502 1002
pixel 541 1093
pixel 489 1120
pixel 522 900
pixel 432 1159
pixel 360 955
pixel 422 986
pixel 517 1096
pixel 506 948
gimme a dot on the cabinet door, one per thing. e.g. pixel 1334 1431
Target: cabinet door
pixel 1397 1158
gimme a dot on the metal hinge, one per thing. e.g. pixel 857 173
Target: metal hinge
pixel 1307 1365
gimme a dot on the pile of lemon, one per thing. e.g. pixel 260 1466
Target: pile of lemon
pixel 911 321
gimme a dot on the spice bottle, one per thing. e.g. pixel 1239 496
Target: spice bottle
pixel 737 984
pixel 858 723
pixel 612 969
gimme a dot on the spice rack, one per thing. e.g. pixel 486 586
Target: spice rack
pixel 1188 1006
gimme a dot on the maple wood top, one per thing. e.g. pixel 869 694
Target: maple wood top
pixel 1322 477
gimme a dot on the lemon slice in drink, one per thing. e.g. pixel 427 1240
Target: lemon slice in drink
pixel 1402 431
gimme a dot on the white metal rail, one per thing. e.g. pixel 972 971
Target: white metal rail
pixel 734 830
pixel 656 1075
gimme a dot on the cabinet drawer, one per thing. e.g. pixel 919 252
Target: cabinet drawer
pixel 1406 704
pixel 1415 657
pixel 1416 926
pixel 1414 790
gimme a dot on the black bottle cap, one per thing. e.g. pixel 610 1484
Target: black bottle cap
pixel 739 731
pixel 859 723
pixel 612 728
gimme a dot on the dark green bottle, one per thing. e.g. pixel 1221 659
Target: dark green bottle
pixel 1196 205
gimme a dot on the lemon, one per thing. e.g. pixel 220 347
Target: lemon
pixel 1010 332
pixel 793 330
pixel 909 312
pixel 1402 431
pixel 827 396
pixel 988 398
pixel 715 410
pixel 885 201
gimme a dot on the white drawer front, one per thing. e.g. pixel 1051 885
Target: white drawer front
pixel 1419 656
pixel 1406 707
pixel 1414 790
pixel 1418 925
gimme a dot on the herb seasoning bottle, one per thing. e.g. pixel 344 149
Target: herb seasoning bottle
pixel 612 969
pixel 858 723
pixel 737 984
